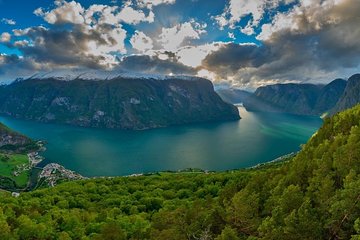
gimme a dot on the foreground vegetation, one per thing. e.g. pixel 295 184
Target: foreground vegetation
pixel 316 195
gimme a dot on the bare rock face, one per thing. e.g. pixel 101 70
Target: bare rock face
pixel 11 141
pixel 123 103
pixel 301 99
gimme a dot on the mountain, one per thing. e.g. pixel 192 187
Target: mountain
pixel 11 141
pixel 329 96
pixel 124 103
pixel 314 195
pixel 232 95
pixel 301 99
pixel 290 98
pixel 351 95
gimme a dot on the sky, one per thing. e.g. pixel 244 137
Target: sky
pixel 238 43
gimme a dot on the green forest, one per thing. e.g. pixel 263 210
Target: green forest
pixel 314 195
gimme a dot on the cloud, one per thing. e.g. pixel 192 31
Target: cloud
pixel 91 38
pixel 5 37
pixel 154 65
pixel 65 12
pixel 78 46
pixel 193 56
pixel 141 42
pixel 132 16
pixel 311 40
pixel 315 41
pixel 13 66
pixel 172 38
pixel 151 3
pixel 8 21
pixel 237 10
pixel 72 12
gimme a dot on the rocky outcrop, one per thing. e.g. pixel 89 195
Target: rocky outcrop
pixel 124 103
pixel 14 142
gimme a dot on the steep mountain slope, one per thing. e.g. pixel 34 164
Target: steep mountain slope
pixel 125 103
pixel 13 141
pixel 291 98
pixel 351 95
pixel 329 96
pixel 302 99
pixel 232 95
pixel 315 195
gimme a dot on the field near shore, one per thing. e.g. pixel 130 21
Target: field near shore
pixel 9 163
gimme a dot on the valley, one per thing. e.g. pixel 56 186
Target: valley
pixel 106 152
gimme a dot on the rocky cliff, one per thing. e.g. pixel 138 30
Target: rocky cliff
pixel 350 96
pixel 124 103
pixel 301 99
pixel 15 142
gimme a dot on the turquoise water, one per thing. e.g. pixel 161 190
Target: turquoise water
pixel 256 138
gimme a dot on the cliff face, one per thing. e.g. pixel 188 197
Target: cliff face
pixel 9 137
pixel 329 96
pixel 350 96
pixel 122 103
pixel 11 141
pixel 302 99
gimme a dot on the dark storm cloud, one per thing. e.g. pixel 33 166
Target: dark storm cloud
pixel 13 66
pixel 231 57
pixel 63 47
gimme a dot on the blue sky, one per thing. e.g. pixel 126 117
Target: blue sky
pixel 236 42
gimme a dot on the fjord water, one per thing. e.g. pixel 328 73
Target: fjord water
pixel 256 138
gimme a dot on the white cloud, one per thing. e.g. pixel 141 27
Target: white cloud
pixel 231 35
pixel 73 12
pixel 114 39
pixel 5 37
pixel 141 42
pixel 172 38
pixel 114 15
pixel 132 16
pixel 151 3
pixel 8 21
pixel 21 43
pixel 308 16
pixel 236 10
pixel 206 74
pixel 66 12
pixel 193 56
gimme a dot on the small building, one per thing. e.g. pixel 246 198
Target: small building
pixel 15 194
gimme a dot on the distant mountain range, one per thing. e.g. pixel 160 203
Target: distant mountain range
pixel 232 95
pixel 122 102
pixel 306 99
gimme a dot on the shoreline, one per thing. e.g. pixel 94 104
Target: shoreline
pixel 54 173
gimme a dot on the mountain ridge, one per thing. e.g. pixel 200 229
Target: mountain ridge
pixel 124 103
pixel 300 99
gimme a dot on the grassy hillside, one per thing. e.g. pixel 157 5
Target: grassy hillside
pixel 316 195
pixel 10 163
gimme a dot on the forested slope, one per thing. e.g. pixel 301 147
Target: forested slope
pixel 316 195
